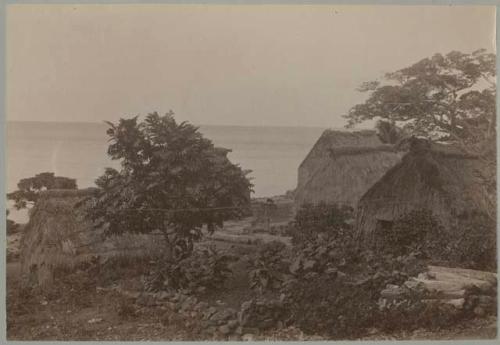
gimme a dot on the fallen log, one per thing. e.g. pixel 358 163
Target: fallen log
pixel 453 284
pixel 464 272
pixel 460 288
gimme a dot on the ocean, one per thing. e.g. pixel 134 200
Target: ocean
pixel 78 150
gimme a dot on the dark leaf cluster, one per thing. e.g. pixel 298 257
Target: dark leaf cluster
pixel 30 188
pixel 172 180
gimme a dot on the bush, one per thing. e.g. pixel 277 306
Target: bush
pixel 312 220
pixel 205 269
pixel 410 232
pixel 412 313
pixel 326 285
pixel 330 304
pixel 268 268
pixel 471 243
pixel 338 295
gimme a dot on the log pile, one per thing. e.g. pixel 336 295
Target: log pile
pixel 465 289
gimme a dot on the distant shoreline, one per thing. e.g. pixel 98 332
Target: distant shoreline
pixel 196 124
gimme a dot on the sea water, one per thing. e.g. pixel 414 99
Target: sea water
pixel 78 150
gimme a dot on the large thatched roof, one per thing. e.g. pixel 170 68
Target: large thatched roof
pixel 341 166
pixel 59 236
pixel 439 178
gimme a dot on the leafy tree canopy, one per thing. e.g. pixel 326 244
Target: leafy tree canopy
pixel 444 97
pixel 389 133
pixel 30 188
pixel 172 179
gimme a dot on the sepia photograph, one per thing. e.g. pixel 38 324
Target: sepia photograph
pixel 241 172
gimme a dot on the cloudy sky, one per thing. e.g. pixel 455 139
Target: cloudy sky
pixel 235 65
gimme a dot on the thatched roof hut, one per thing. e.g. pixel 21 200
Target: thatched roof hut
pixel 342 166
pixel 59 236
pixel 438 178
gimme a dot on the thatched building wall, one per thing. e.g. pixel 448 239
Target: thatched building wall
pixel 342 166
pixel 437 178
pixel 59 236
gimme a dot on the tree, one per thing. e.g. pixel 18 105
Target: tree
pixel 388 132
pixel 30 188
pixel 450 97
pixel 172 179
pixel 447 98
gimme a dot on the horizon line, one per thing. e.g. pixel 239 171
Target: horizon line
pixel 195 124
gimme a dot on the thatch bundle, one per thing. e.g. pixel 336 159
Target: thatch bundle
pixel 342 166
pixel 438 178
pixel 59 236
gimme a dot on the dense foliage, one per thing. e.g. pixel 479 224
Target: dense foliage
pixel 389 133
pixel 267 269
pixel 470 243
pixel 205 270
pixel 449 96
pixel 321 218
pixel 30 188
pixel 172 180
pixel 328 285
pixel 417 230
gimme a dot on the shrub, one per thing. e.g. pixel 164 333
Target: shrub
pixel 470 243
pixel 413 313
pixel 330 304
pixel 326 285
pixel 268 268
pixel 329 286
pixel 410 232
pixel 205 269
pixel 322 218
pixel 336 290
pixel 262 313
pixel 318 254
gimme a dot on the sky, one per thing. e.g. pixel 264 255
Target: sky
pixel 278 65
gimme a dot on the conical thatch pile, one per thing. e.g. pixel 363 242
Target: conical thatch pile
pixel 342 166
pixel 438 178
pixel 58 236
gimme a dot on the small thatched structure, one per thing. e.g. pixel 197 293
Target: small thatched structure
pixel 438 178
pixel 59 236
pixel 342 166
